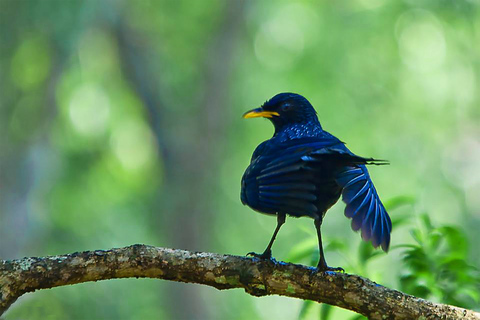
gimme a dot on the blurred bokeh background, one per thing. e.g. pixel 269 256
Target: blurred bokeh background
pixel 120 123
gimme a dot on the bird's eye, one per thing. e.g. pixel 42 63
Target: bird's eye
pixel 286 107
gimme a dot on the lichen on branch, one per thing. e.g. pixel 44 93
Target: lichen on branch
pixel 257 277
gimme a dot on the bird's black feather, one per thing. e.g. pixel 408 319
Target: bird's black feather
pixel 302 171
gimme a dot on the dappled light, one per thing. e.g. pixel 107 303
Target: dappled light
pixel 133 145
pixel 89 110
pixel 121 123
pixel 281 39
pixel 422 45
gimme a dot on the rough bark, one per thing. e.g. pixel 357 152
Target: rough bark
pixel 258 278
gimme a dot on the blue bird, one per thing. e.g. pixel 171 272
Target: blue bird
pixel 302 171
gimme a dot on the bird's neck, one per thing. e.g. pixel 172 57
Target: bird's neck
pixel 298 130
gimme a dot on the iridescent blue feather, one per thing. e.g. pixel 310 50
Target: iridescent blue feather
pixel 364 206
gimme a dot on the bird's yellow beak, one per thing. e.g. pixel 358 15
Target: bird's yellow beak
pixel 259 112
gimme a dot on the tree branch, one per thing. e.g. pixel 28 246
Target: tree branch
pixel 258 278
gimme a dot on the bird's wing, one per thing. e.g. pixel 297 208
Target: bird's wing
pixel 321 150
pixel 287 182
pixel 259 150
pixel 364 206
pixel 359 193
pixel 290 175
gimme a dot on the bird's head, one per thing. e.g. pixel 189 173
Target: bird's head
pixel 285 109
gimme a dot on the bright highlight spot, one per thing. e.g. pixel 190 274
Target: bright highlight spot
pixel 133 145
pixel 31 63
pixel 371 4
pixel 463 84
pixel 460 162
pixel 89 110
pixel 94 64
pixel 281 39
pixel 421 41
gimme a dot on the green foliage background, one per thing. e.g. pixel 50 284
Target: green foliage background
pixel 120 123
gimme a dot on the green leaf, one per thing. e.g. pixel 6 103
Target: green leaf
pixel 420 291
pixel 456 240
pixel 358 317
pixel 399 246
pixel 302 250
pixel 398 221
pixel 417 260
pixel 437 265
pixel 325 311
pixel 434 240
pixel 425 219
pixel 367 252
pixel 472 293
pixel 306 306
pixel 336 245
pixel 417 236
pixel 396 202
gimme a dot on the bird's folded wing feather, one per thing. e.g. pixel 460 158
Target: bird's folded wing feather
pixel 285 181
pixel 288 179
pixel 285 185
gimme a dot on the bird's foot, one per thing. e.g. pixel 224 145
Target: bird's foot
pixel 325 268
pixel 267 255
pixel 333 269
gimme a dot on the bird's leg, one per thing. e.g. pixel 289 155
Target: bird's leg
pixel 322 263
pixel 267 254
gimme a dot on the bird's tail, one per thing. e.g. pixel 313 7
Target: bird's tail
pixel 345 157
pixel 353 159
pixel 377 162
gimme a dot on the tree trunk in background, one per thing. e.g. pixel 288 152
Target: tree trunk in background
pixel 190 171
pixel 22 157
pixel 13 191
pixel 195 169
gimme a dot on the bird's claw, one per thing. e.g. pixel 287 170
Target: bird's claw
pixel 336 269
pixel 329 269
pixel 263 256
